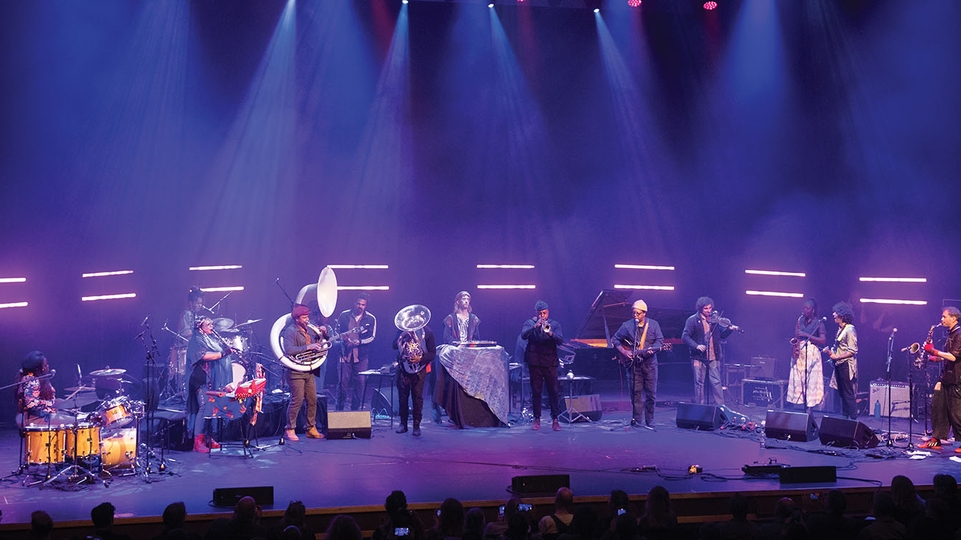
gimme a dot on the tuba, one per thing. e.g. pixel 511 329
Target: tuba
pixel 309 360
pixel 409 320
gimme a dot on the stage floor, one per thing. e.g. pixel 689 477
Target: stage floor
pixel 477 464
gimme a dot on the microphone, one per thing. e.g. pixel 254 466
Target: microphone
pixel 53 373
pixel 894 331
pixel 145 320
pixel 140 335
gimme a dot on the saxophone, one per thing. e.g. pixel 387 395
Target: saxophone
pixel 917 350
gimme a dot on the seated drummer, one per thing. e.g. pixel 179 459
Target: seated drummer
pixel 35 395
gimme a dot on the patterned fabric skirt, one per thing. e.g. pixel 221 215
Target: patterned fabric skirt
pixel 807 365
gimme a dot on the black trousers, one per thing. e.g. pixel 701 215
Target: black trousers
pixel 847 390
pixel 539 376
pixel 644 389
pixel 946 411
pixel 410 386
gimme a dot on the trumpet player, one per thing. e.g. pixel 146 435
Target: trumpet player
pixel 298 337
pixel 806 383
pixel 946 401
pixel 543 335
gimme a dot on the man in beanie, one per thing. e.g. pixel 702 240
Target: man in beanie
pixel 543 335
pixel 638 340
pixel 298 337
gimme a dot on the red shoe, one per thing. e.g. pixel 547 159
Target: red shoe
pixel 212 444
pixel 537 424
pixel 200 446
pixel 556 426
pixel 931 444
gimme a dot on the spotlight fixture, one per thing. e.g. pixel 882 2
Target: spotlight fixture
pixel 710 5
pixel 597 10
pixel 403 2
pixel 491 5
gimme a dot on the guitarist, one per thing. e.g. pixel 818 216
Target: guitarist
pixel 416 350
pixel 638 341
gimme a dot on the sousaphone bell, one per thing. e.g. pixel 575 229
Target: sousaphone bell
pixel 326 293
pixel 411 319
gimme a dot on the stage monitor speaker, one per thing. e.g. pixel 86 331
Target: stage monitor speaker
pixel 845 433
pixel 808 475
pixel 264 495
pixel 588 405
pixel 703 417
pixel 790 426
pixel 541 483
pixel 900 398
pixel 348 425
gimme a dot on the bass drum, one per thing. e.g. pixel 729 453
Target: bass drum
pixel 119 449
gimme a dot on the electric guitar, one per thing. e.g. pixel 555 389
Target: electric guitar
pixel 628 362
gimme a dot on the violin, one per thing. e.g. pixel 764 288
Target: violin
pixel 723 322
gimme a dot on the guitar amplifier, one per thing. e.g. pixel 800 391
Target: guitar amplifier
pixel 900 406
pixel 763 393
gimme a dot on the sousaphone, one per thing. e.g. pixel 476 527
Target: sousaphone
pixel 411 319
pixel 326 294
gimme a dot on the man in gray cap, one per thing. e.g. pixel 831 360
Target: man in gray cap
pixel 638 340
pixel 543 335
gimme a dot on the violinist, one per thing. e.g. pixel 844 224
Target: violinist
pixel 806 382
pixel 703 333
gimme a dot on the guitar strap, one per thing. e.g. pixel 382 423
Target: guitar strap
pixel 643 340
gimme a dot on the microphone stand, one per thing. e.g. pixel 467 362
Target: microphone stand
pixel 890 442
pixel 907 356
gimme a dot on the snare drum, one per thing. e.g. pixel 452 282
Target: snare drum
pixel 119 449
pixel 82 440
pixel 43 444
pixel 116 413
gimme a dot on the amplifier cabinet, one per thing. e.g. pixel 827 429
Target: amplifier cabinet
pixel 900 398
pixel 763 393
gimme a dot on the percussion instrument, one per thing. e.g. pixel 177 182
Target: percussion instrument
pixel 119 449
pixel 108 372
pixel 43 444
pixel 223 324
pixel 119 411
pixel 410 320
pixel 82 440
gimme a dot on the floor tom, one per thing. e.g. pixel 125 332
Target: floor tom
pixel 43 444
pixel 83 440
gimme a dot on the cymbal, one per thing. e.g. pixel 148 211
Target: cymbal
pixel 75 402
pixel 79 389
pixel 223 323
pixel 249 321
pixel 116 372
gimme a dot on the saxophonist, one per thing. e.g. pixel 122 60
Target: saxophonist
pixel 946 401
pixel 298 337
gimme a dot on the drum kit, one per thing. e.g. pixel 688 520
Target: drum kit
pixel 91 446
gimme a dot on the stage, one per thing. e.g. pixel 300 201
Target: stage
pixel 477 464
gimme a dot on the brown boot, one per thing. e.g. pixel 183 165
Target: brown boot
pixel 200 445
pixel 312 433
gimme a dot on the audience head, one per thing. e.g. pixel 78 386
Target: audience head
pixel 450 520
pixel 344 528
pixel 618 501
pixel 564 499
pixel 395 501
pixel 658 501
pixel 518 527
pixel 945 486
pixel 784 508
pixel 903 492
pixel 245 511
pixel 102 515
pixel 41 524
pixel 474 520
pixel 295 514
pixel 175 515
pixel 739 506
pixel 511 507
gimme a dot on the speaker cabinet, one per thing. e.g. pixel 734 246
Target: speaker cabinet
pixel 808 475
pixel 846 433
pixel 900 398
pixel 541 483
pixel 348 425
pixel 587 405
pixel 790 426
pixel 703 417
pixel 264 495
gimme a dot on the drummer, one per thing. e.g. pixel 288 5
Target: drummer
pixel 35 394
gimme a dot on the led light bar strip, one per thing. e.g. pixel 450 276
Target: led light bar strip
pixel 13 305
pixel 359 266
pixel 505 266
pixel 646 287
pixel 506 287
pixel 13 280
pixel 363 288
pixel 774 273
pixel 893 301
pixel 108 297
pixel 895 279
pixel 775 293
pixel 642 267
pixel 222 289
pixel 104 274
pixel 218 267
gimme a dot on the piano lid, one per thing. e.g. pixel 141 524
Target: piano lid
pixel 612 307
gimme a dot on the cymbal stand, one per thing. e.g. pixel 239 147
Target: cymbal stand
pixel 151 402
pixel 75 473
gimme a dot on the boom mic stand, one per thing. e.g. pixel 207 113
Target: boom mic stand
pixel 910 399
pixel 890 442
